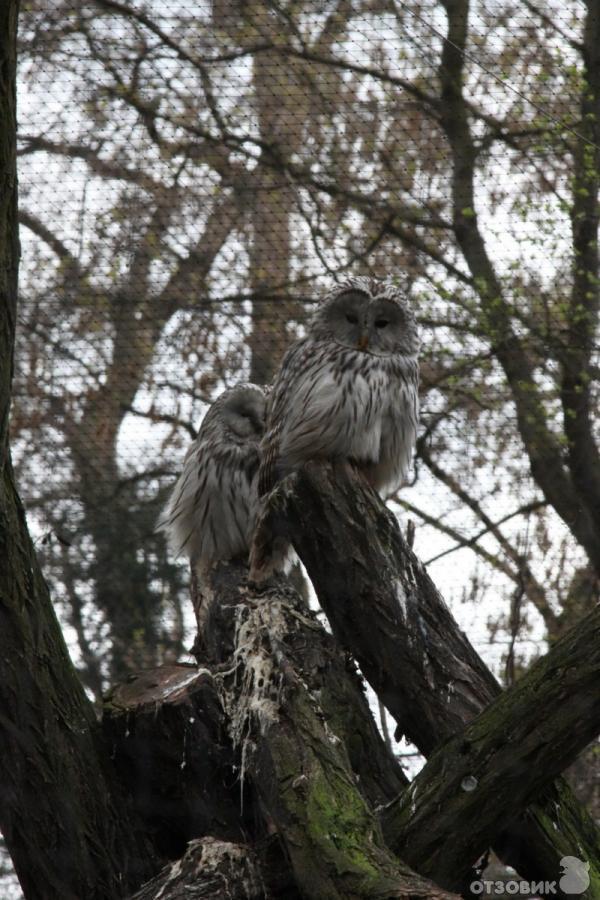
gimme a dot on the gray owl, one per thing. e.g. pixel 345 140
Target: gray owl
pixel 211 512
pixel 349 389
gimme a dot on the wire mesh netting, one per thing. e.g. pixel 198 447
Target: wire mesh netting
pixel 193 177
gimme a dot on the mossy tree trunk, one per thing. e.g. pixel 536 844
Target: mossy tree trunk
pixel 295 716
pixel 385 610
pixel 285 694
pixel 471 786
pixel 64 821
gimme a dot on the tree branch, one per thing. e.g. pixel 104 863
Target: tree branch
pixel 475 785
pixel 582 311
pixel 543 450
pixel 535 592
pixel 102 167
pixel 413 654
pixel 290 750
pixel 210 869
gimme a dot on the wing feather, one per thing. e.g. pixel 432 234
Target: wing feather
pixel 292 366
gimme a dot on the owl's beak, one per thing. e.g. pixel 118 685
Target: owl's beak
pixel 363 342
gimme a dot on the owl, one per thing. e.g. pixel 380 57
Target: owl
pixel 211 512
pixel 349 389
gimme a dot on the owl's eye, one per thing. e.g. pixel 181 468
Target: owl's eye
pixel 350 317
pixel 381 323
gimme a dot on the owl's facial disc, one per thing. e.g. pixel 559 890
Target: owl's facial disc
pixel 380 325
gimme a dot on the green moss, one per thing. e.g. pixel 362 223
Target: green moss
pixel 339 823
pixel 327 807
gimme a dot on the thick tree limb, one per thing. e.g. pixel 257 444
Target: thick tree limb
pixel 412 653
pixel 470 788
pixel 298 765
pixel 167 734
pixel 66 826
pixel 165 731
pixel 386 611
pixel 211 869
pixel 341 695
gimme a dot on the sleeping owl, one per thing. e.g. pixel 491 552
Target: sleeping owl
pixel 211 512
pixel 349 389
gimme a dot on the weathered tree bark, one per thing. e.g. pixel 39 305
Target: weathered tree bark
pixel 166 731
pixel 167 734
pixel 470 788
pixel 385 610
pixel 341 694
pixel 66 826
pixel 210 869
pixel 383 607
pixel 298 765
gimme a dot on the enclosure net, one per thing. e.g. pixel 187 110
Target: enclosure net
pixel 193 177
